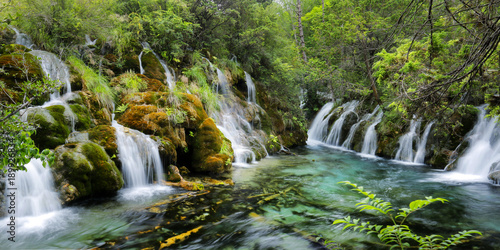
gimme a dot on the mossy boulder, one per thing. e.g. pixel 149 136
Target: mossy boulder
pixel 87 169
pixel 104 136
pixel 208 154
pixel 13 49
pixel 152 67
pixel 19 70
pixel 7 35
pixel 52 128
pixel 98 115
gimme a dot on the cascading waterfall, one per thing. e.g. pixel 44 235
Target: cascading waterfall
pixel 484 147
pixel 336 130
pixel 370 140
pixel 250 88
pixel 141 69
pixel 138 153
pixel 223 83
pixel 420 155
pixel 169 74
pixel 56 69
pixel 405 151
pixel 319 126
pixel 35 190
pixel 231 122
pixel 22 39
pixel 88 41
pixel 347 143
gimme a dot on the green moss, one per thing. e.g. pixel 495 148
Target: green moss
pixel 82 114
pixel 104 135
pixel 88 168
pixel 52 130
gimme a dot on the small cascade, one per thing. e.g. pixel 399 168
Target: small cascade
pixel 223 83
pixel 56 69
pixel 88 41
pixel 250 88
pixel 336 130
pixel 370 140
pixel 232 123
pixel 420 155
pixel 347 143
pixel 483 151
pixel 22 39
pixel 169 74
pixel 405 151
pixel 35 190
pixel 319 126
pixel 141 69
pixel 141 163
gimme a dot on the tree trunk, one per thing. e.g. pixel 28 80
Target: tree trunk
pixel 301 30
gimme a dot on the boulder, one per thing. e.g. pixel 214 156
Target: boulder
pixel 211 153
pixel 84 170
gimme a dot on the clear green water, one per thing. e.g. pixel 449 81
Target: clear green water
pixel 310 200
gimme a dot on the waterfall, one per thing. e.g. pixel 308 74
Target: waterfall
pixel 141 69
pixel 370 140
pixel 223 83
pixel 484 147
pixel 352 131
pixel 22 39
pixel 55 69
pixel 420 155
pixel 232 123
pixel 88 41
pixel 35 190
pixel 139 156
pixel 250 88
pixel 169 74
pixel 319 127
pixel 336 130
pixel 405 151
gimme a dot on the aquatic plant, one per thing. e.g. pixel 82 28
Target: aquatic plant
pixel 399 234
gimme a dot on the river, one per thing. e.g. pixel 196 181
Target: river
pixel 283 202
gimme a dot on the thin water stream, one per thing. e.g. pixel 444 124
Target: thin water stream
pixel 239 217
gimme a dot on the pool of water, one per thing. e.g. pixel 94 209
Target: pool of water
pixel 283 202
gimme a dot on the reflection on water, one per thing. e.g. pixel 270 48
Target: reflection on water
pixel 284 202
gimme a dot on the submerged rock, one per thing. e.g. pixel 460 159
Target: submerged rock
pixel 85 170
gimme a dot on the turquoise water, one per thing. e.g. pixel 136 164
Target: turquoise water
pixel 309 200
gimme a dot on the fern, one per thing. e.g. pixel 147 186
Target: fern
pixel 399 235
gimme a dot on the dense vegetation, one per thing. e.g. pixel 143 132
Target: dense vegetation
pixel 414 57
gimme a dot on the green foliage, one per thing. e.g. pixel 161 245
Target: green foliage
pixel 122 108
pixel 95 83
pixel 398 234
pixel 16 146
pixel 132 82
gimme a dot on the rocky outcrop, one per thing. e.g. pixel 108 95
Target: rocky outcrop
pixel 85 170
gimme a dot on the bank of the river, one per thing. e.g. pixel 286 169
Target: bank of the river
pixel 249 215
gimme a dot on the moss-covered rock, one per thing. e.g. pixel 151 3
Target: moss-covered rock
pixel 87 170
pixel 19 70
pixel 104 136
pixel 99 115
pixel 52 129
pixel 7 35
pixel 13 49
pixel 207 146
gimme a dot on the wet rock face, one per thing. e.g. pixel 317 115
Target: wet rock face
pixel 494 173
pixel 85 170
